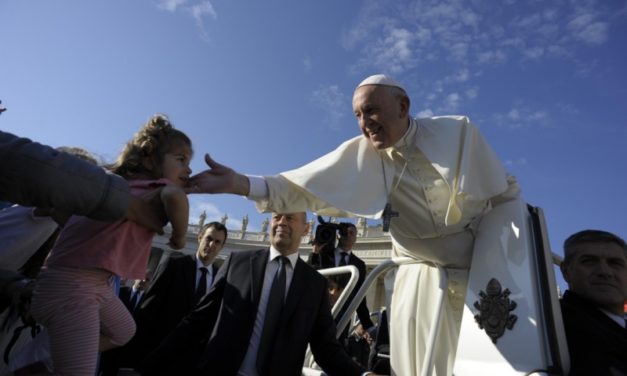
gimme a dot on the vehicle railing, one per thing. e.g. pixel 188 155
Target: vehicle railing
pixel 350 286
pixel 427 365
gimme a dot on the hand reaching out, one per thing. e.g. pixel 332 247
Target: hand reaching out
pixel 218 179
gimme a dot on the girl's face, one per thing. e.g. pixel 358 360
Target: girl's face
pixel 175 165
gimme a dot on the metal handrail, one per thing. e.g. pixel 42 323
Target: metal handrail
pixel 427 366
pixel 350 286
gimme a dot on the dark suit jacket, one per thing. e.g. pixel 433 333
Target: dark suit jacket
pixel 125 296
pixel 596 343
pixel 327 260
pixel 227 314
pixel 166 302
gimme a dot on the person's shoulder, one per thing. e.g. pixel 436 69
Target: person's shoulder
pixel 450 121
pixel 178 258
pixel 357 258
pixel 309 270
pixel 246 254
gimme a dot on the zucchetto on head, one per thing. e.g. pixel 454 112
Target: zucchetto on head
pixel 381 79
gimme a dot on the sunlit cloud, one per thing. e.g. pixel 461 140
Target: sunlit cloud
pixel 515 162
pixel 170 5
pixel 451 103
pixel 425 113
pixel 399 37
pixel 198 205
pixel 472 93
pixel 521 116
pixel 332 102
pixel 491 57
pixel 593 33
pixel 199 11
pixel 307 64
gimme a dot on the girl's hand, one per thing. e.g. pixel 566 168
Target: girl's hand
pixel 177 243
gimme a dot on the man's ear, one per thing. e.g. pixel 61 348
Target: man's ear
pixel 404 103
pixel 565 272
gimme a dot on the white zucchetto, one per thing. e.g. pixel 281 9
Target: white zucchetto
pixel 381 79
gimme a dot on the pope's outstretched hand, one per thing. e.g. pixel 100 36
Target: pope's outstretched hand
pixel 218 179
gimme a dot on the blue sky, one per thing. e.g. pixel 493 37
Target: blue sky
pixel 266 86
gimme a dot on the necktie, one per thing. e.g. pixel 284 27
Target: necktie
pixel 201 289
pixel 343 258
pixel 273 315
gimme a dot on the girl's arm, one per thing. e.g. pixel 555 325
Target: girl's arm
pixel 176 209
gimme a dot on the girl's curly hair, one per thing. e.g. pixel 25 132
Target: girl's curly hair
pixel 156 138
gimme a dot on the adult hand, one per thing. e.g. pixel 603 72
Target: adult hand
pixel 218 179
pixel 147 211
pixel 363 333
pixel 315 248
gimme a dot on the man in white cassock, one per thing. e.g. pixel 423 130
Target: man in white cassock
pixel 438 174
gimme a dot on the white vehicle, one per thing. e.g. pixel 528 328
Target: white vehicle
pixel 511 324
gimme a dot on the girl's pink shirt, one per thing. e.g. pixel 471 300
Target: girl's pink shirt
pixel 121 247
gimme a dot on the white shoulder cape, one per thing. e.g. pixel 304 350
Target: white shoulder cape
pixel 349 180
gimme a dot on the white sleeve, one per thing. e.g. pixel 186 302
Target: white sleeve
pixel 258 188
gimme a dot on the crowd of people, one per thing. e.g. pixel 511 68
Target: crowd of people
pixel 77 228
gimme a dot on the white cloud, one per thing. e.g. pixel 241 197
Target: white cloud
pixel 534 53
pixel 394 52
pixel 197 206
pixel 425 113
pixel 491 57
pixel 595 33
pixel 521 116
pixel 203 9
pixel 170 5
pixel 472 93
pixel 199 11
pixel 515 162
pixel 461 75
pixel 396 37
pixel 451 102
pixel 307 64
pixel 513 114
pixel 332 102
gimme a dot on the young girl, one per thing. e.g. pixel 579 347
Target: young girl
pixel 74 297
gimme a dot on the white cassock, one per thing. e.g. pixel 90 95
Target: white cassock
pixel 441 177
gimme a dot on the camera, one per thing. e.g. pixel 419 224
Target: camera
pixel 326 232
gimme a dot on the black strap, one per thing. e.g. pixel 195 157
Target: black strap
pixel 34 330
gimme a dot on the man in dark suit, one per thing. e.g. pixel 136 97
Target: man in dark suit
pixel 595 267
pixel 132 296
pixel 343 255
pixel 265 307
pixel 178 285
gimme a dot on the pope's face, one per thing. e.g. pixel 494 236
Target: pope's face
pixel 381 114
pixel 598 272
